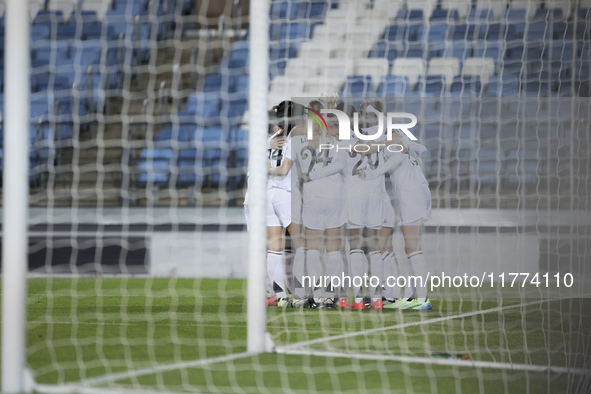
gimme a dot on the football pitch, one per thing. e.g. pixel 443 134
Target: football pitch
pixel 185 335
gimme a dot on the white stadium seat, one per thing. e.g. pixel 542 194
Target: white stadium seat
pixel 98 6
pixel 530 5
pixel 411 67
pixel 463 6
pixel 448 67
pixel 564 5
pixel 426 5
pixel 314 50
pixel 497 6
pixel 383 10
pixel 376 68
pixel 301 68
pixel 329 32
pixel 65 6
pixel 483 67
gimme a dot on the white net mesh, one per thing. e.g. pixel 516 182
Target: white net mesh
pixel 138 242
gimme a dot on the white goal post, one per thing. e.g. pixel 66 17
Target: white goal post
pixel 15 196
pixel 257 180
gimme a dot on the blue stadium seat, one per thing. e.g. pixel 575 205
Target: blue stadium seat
pixel 357 86
pixel 115 23
pixel 294 30
pixel 40 32
pixel 480 15
pixel 437 32
pixel 440 14
pixel 154 167
pixel 213 82
pixel 190 168
pixel 458 49
pixel 317 10
pixel 211 138
pixel 410 15
pixel 48 18
pixel 396 33
pixel 492 49
pixel 384 49
pixel 241 84
pixel 232 111
pixel 415 49
pixel 492 32
pixel 538 31
pixel 515 15
pixel 548 14
pixel 467 86
pixel 284 10
pixel 431 86
pixel 205 107
pixel 464 32
pixel 564 31
pixel 392 86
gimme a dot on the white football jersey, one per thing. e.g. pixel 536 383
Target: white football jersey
pixel 310 160
pixel 358 163
pixel 276 158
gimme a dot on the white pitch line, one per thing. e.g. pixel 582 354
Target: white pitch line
pixel 74 389
pixel 448 362
pixel 162 368
pixel 284 349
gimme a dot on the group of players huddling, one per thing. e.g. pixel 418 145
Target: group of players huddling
pixel 323 198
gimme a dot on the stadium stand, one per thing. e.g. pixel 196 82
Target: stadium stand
pixel 85 54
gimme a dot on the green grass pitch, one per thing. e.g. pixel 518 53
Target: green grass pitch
pixel 80 329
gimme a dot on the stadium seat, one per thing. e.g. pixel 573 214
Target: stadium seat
pixel 497 6
pixel 410 15
pixel 317 10
pixel 458 49
pixel 415 49
pixel 190 168
pixel 437 32
pixel 448 68
pixel 491 49
pixel 384 49
pixel 426 8
pixel 505 86
pixel 410 68
pixel 358 86
pixel 538 31
pixel 464 32
pixel 383 10
pixel 530 7
pixel 483 68
pixel 301 68
pixel 444 15
pixel 466 86
pixel 392 86
pixel 395 33
pixel 481 15
pixel 431 86
pixel 375 68
pixel 548 15
pixel 515 15
pixel 154 167
pixel 314 50
pixel 205 107
pixel 329 32
pixel 462 6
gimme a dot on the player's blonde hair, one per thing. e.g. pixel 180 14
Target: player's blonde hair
pixel 330 102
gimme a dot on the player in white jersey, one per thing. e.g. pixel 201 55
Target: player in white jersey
pixel 414 198
pixel 323 207
pixel 278 208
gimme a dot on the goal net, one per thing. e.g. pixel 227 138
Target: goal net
pixel 140 117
